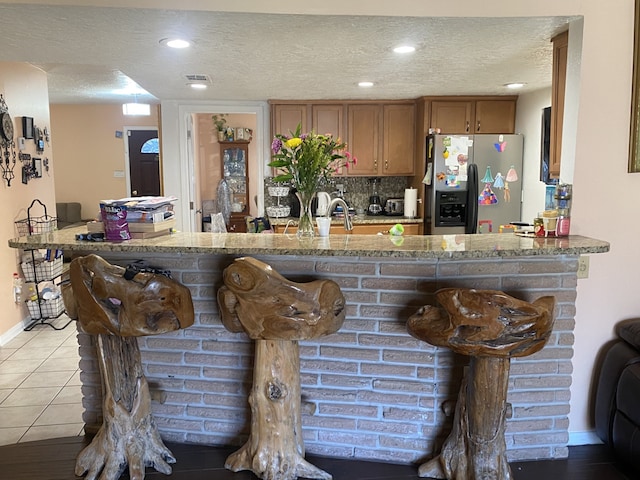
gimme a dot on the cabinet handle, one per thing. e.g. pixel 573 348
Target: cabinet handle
pixel 478 125
pixel 386 164
pixel 468 126
pixel 375 164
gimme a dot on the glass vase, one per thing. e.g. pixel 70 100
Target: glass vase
pixel 305 222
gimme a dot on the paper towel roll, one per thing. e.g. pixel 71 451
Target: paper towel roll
pixel 410 202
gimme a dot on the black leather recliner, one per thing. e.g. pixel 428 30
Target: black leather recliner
pixel 617 405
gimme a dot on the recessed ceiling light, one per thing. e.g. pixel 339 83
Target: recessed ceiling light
pixel 365 84
pixel 175 42
pixel 514 85
pixel 404 49
pixel 198 86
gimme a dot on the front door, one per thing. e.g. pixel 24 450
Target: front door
pixel 144 163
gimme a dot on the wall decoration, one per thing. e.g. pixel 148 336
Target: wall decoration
pixel 7 143
pixel 634 137
pixel 27 127
pixel 38 138
pixel 37 167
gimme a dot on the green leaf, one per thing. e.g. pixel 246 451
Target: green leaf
pixel 285 177
pixel 278 163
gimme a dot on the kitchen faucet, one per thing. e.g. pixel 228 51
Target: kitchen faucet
pixel 348 224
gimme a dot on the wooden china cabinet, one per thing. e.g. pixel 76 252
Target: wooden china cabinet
pixel 234 157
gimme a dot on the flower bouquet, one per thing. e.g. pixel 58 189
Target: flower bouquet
pixel 307 161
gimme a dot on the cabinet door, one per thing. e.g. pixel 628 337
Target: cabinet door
pixel 558 86
pixel 235 171
pixel 364 138
pixel 399 140
pixel 452 116
pixel 495 116
pixel 287 117
pixel 328 119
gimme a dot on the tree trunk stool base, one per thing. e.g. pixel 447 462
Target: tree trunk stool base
pixel 117 310
pixel 490 327
pixel 276 313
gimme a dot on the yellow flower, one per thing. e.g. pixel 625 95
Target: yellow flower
pixel 293 142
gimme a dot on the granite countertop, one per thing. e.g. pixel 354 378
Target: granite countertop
pixel 410 246
pixel 356 219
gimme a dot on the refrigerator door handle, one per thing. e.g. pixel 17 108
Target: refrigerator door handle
pixel 471 224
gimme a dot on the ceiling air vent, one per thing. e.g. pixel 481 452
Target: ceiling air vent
pixel 198 77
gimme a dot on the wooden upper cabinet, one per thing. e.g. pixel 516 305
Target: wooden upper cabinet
pixel 398 140
pixel 451 116
pixel 495 116
pixel 474 115
pixel 364 138
pixel 286 117
pixel 328 119
pixel 558 87
pixel 382 138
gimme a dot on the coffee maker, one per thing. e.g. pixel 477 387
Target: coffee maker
pixel 375 204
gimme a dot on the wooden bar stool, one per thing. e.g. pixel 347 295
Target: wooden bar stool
pixel 491 328
pixel 276 313
pixel 117 307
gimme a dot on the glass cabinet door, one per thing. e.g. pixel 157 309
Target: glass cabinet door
pixel 234 165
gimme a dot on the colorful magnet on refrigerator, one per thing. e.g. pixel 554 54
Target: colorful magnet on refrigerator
pixel 500 146
pixel 488 178
pixel 487 197
pixel 512 175
pixel 452 181
pixel 440 176
pixel 499 181
pixel 507 193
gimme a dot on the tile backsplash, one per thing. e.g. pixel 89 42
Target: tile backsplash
pixel 356 190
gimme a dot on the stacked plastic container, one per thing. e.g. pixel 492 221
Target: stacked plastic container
pixel 563 205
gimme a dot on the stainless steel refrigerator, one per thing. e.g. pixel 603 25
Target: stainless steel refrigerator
pixel 473 183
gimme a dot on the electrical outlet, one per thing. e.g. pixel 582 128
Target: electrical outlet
pixel 583 266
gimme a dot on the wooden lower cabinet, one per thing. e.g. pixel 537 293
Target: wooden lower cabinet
pixel 365 229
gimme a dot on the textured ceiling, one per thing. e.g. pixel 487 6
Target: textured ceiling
pixel 88 52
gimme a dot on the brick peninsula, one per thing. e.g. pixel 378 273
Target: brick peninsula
pixel 369 391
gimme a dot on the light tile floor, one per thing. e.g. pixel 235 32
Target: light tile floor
pixel 40 385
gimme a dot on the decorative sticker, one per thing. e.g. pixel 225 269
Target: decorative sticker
pixel 488 178
pixel 487 197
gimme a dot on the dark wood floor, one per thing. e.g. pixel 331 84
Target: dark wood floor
pixel 55 459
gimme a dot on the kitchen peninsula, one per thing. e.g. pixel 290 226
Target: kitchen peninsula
pixel 369 391
pixel 362 224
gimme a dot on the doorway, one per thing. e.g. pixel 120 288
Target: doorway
pixel 143 158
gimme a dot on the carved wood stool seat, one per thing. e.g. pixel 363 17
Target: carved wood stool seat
pixel 490 327
pixel 276 313
pixel 116 311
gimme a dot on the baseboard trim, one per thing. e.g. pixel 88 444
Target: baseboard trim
pixel 588 437
pixel 12 333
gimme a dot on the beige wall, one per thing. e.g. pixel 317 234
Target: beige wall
pixel 26 94
pixel 88 152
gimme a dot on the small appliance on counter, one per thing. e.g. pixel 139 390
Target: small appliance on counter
pixel 394 207
pixel 375 205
